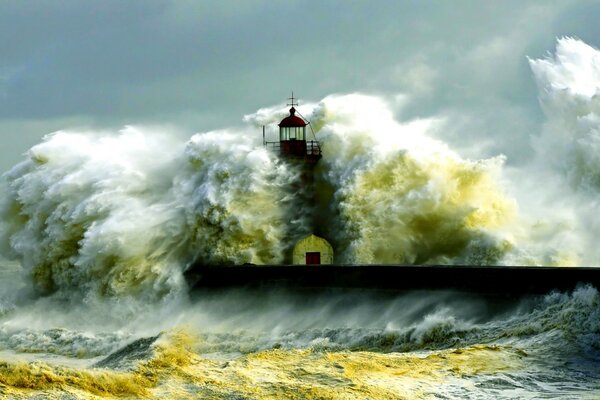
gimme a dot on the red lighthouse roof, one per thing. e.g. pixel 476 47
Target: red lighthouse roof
pixel 292 120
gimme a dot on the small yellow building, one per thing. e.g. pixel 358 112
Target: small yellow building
pixel 312 250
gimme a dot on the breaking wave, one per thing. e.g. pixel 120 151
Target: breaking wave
pixel 455 340
pixel 124 214
pixel 401 196
pixel 95 220
pixel 411 322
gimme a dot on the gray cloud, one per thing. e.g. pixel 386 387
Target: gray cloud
pixel 202 65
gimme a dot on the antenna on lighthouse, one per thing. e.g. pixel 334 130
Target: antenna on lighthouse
pixel 292 99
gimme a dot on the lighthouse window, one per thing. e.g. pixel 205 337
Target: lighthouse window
pixel 292 133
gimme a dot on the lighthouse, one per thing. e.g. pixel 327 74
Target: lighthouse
pixel 295 148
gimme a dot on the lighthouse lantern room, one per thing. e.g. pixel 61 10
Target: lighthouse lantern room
pixel 292 143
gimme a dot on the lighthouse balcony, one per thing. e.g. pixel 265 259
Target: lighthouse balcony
pixel 295 148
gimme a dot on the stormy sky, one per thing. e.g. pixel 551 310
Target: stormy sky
pixel 198 65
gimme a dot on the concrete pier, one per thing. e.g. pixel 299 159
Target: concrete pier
pixel 493 280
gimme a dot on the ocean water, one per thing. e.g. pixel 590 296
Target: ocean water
pixel 270 344
pixel 98 228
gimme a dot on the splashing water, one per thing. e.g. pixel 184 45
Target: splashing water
pixel 125 214
pixel 103 225
pixel 403 197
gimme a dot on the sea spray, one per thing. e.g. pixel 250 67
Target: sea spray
pixel 557 191
pixel 79 212
pixel 124 214
pixel 569 84
pixel 387 192
pixel 115 215
pixel 236 198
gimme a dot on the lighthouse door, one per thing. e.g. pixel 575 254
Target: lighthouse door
pixel 313 258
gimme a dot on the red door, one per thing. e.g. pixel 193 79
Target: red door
pixel 313 258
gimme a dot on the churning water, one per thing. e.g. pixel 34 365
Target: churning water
pixel 100 228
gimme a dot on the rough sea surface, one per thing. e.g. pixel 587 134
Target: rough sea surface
pixel 98 228
pixel 242 344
